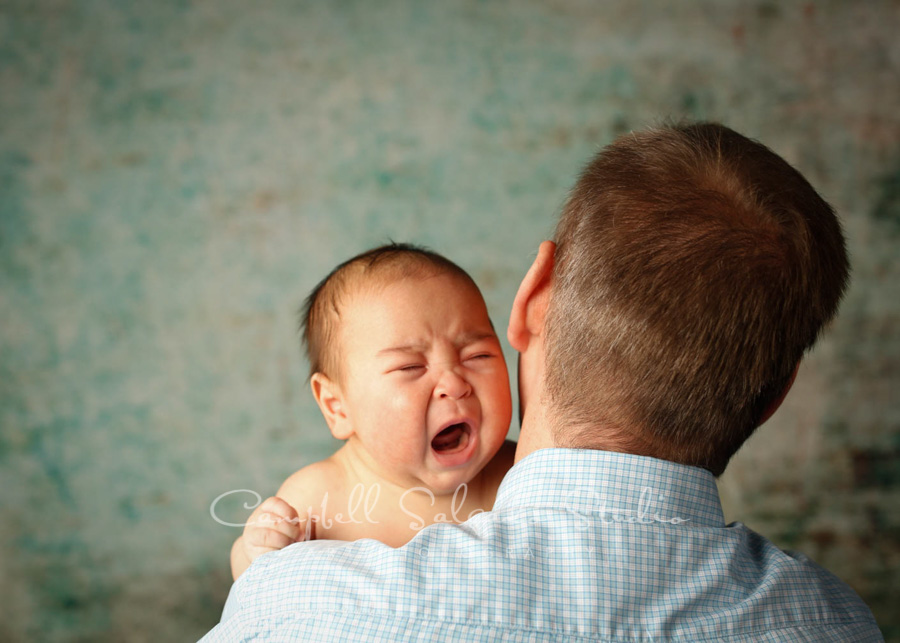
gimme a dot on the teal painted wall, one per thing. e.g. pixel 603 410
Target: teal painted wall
pixel 176 176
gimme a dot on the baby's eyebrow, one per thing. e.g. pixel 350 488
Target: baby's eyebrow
pixel 475 336
pixel 409 348
pixel 463 340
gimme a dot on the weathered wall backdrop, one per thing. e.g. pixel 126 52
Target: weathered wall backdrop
pixel 175 176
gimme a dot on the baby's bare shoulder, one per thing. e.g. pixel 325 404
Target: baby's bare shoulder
pixel 307 487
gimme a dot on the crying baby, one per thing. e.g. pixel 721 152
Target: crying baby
pixel 408 371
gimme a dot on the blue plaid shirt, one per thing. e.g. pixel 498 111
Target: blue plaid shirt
pixel 580 546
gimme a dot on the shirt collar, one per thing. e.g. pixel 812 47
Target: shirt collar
pixel 619 486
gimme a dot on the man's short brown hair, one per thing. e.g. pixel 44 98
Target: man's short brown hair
pixel 321 312
pixel 694 267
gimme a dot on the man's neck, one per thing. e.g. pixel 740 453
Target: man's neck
pixel 536 432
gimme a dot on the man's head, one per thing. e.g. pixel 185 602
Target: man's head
pixel 693 268
pixel 407 368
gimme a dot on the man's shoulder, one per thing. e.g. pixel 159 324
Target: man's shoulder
pixel 329 576
pixel 791 586
pixel 531 565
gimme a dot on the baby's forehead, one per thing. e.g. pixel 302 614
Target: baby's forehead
pixel 377 285
pixel 386 297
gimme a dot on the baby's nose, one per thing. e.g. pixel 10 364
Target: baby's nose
pixel 452 385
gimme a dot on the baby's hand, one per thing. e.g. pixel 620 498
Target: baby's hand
pixel 274 525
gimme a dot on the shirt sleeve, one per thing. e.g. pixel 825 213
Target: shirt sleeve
pixel 234 614
pixel 232 603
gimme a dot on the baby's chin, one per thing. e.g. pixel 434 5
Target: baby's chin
pixel 447 483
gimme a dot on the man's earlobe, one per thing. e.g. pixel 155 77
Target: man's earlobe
pixel 529 309
pixel 331 402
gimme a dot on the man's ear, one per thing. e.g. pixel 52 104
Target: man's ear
pixel 529 309
pixel 773 406
pixel 331 402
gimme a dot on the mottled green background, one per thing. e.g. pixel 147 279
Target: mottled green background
pixel 175 177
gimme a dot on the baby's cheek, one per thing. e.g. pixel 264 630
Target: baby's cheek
pixel 408 397
pixel 400 404
pixel 498 385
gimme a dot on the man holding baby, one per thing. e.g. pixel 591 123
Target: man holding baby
pixel 690 271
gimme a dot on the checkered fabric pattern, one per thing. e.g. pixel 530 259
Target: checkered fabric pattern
pixel 581 546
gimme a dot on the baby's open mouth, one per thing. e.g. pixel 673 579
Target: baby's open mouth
pixel 452 439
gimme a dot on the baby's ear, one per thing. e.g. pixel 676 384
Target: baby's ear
pixel 331 402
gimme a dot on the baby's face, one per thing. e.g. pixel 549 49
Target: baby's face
pixel 425 383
